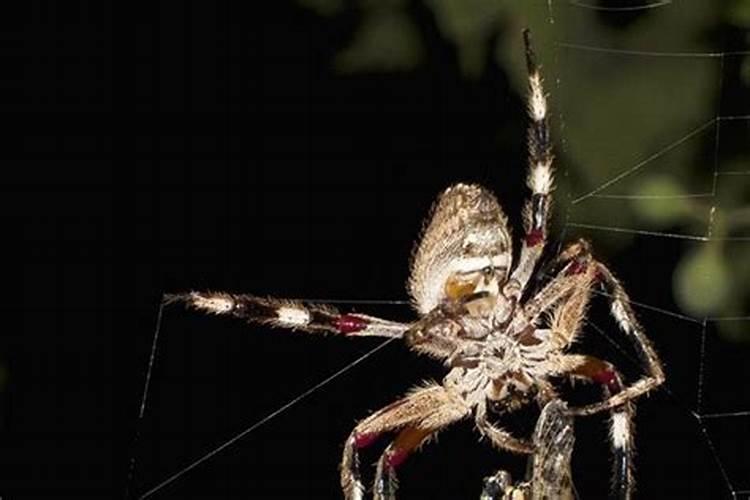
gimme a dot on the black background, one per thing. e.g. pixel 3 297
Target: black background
pixel 200 146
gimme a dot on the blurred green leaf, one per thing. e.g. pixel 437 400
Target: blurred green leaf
pixel 659 200
pixel 702 281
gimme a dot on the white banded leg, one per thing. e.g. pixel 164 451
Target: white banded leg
pixel 625 317
pixel 540 175
pixel 291 314
pixel 592 369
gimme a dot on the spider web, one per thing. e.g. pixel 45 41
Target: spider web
pixel 701 392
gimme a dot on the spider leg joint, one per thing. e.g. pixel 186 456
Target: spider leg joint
pixel 349 323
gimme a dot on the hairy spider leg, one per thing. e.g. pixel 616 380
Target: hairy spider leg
pixel 581 264
pixel 578 275
pixel 569 293
pixel 408 440
pixel 540 178
pixel 571 282
pixel 567 318
pixel 623 313
pixel 290 314
pixel 595 370
pixel 500 438
pixel 421 414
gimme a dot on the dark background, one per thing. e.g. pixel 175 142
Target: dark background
pixel 200 146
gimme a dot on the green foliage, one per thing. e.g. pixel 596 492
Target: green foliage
pixel 662 201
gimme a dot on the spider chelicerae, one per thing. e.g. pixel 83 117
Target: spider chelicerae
pixel 501 344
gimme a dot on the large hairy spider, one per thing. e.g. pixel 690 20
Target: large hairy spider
pixel 501 343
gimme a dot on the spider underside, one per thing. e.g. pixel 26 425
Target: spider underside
pixel 500 348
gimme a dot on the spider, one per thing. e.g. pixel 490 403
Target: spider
pixel 501 343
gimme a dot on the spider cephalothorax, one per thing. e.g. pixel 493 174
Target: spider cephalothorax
pixel 501 344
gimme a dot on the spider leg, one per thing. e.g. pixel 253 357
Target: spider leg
pixel 283 313
pixel 625 317
pixel 408 440
pixel 500 438
pixel 419 415
pixel 571 289
pixel 595 370
pixel 571 286
pixel 565 324
pixel 540 177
